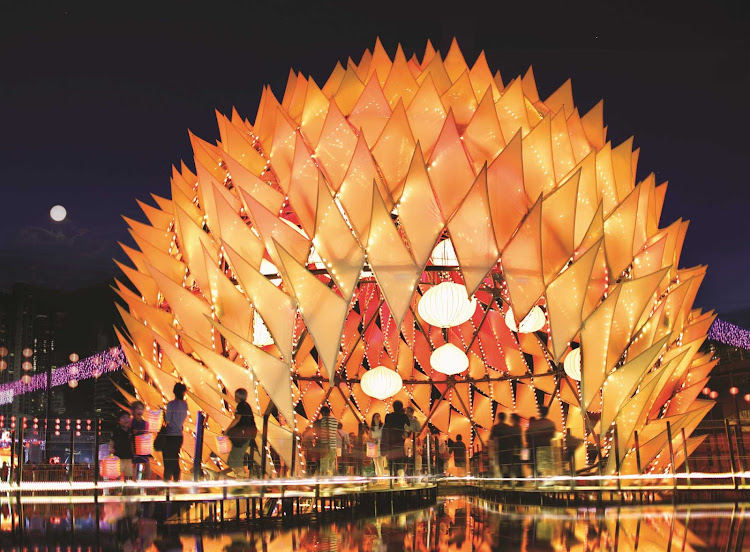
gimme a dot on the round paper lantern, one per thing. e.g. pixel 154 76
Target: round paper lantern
pixel 110 467
pixel 223 444
pixel 532 322
pixel 27 352
pixel 747 397
pixel 449 360
pixel 446 305
pixel 706 391
pixel 444 254
pixel 3 365
pixel 381 382
pixel 73 357
pixel 153 417
pixel 714 394
pixel 733 390
pixel 3 351
pixel 144 444
pixel 572 364
pixel 261 336
pixel 26 379
pixel 27 366
pixel 73 383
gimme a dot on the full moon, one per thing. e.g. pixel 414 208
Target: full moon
pixel 58 213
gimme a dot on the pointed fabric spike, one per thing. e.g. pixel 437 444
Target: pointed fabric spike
pixel 236 233
pixel 511 111
pixel 395 270
pixel 565 298
pixel 143 283
pixel 526 405
pixel 622 383
pixel 139 333
pixel 660 193
pixel 273 374
pixel 400 84
pixel 418 211
pixel 230 306
pixel 186 202
pixel 472 235
pixel 363 66
pixel 336 146
pixel 643 229
pixel 291 82
pixel 265 127
pixel 334 81
pixel 349 91
pixel 594 343
pixel 273 229
pixel 522 263
pixel 393 152
pixel 538 166
pixel 159 320
pixel 482 410
pixel 160 378
pixel 324 312
pixel 619 229
pixel 193 240
pixel 426 115
pixel 163 203
pixel 507 195
pixel 206 183
pixel 562 150
pixel 528 83
pixel 313 113
pixel 282 148
pixel 439 75
pixel 622 158
pixel 238 144
pixel 334 242
pixel 558 224
pixel 455 64
pixel 160 239
pixel 158 218
pixel 380 64
pixel 190 310
pixel 188 176
pixel 232 376
pixel 277 309
pixel 371 112
pixel 629 415
pixel 588 199
pixel 200 381
pixel 483 138
pixel 429 53
pixel 304 185
pixel 450 170
pixel 170 266
pixel 139 259
pixel 262 192
pixel 297 102
pixel 593 126
pixel 578 140
pixel 684 399
pixel 460 99
pixel 183 185
pixel 481 79
pixel 561 100
pixel 355 193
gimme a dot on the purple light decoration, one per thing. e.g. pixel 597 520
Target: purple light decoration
pixel 90 367
pixel 729 334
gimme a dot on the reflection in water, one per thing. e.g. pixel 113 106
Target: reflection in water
pixel 455 524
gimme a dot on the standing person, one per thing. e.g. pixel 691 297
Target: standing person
pixel 139 426
pixel 376 426
pixel 327 441
pixel 241 432
pixel 516 444
pixel 414 441
pixel 308 445
pixel 500 439
pixel 359 450
pixel 174 418
pixel 540 435
pixel 120 446
pixel 342 449
pixel 396 424
pixel 458 448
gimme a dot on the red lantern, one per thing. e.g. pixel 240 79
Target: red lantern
pixel 111 467
pixel 26 379
pixel 154 418
pixel 27 366
pixel 73 357
pixel 714 394
pixel 3 365
pixel 73 383
pixel 27 352
pixel 733 390
pixel 706 391
pixel 3 351
pixel 747 397
pixel 223 444
pixel 144 444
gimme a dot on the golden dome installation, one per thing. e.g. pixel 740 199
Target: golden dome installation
pixel 295 256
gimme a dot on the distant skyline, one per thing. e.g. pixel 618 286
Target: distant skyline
pixel 95 106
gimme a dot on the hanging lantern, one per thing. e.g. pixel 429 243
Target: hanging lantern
pixel 381 382
pixel 73 383
pixel 27 352
pixel 27 366
pixel 26 379
pixel 706 391
pixel 3 351
pixel 3 365
pixel 144 444
pixel 154 418
pixel 714 394
pixel 261 336
pixel 110 467
pixel 572 364
pixel 223 444
pixel 449 360
pixel 747 397
pixel 73 357
pixel 733 390
pixel 533 322
pixel 446 305
pixel 444 254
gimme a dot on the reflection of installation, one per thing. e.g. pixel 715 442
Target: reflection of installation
pixel 423 231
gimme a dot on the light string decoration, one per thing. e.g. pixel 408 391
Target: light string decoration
pixel 729 334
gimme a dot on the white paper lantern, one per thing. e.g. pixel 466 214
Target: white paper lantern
pixel 444 254
pixel 381 382
pixel 449 360
pixel 533 322
pixel 572 364
pixel 446 305
pixel 261 336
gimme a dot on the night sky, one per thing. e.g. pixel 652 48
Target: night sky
pixel 96 101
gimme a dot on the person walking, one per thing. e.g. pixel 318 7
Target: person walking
pixel 342 449
pixel 500 436
pixel 458 448
pixel 139 426
pixel 120 446
pixel 516 445
pixel 376 427
pixel 174 419
pixel 539 436
pixel 241 433
pixel 413 441
pixel 327 441
pixel 394 429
